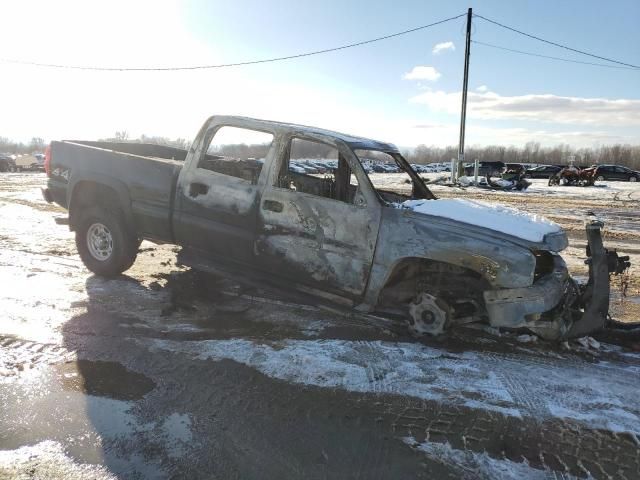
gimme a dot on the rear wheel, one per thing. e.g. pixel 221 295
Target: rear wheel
pixel 105 244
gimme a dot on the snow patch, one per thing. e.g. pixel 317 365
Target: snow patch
pixel 480 465
pixel 489 215
pixel 600 395
pixel 47 460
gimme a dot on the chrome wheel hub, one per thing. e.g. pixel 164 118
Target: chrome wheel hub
pixel 99 242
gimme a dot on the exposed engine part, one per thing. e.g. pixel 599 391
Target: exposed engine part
pixel 615 263
pixel 428 315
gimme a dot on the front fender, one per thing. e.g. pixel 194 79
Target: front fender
pixel 404 234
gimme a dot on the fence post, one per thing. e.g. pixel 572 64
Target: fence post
pixel 476 164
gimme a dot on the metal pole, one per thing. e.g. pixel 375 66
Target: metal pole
pixel 476 164
pixel 465 85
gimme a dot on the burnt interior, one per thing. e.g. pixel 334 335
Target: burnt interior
pixel 246 169
pixel 335 185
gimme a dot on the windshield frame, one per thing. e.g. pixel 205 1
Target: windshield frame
pixel 420 190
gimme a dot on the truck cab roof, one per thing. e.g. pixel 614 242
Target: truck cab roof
pixel 352 141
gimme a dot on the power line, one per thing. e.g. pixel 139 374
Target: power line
pixel 551 57
pixel 237 64
pixel 557 44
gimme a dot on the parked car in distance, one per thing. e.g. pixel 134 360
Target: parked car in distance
pixel 542 171
pixel 491 169
pixel 7 162
pixel 517 168
pixel 616 172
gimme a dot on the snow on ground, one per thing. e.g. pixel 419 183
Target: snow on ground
pixel 602 395
pixel 47 460
pixel 539 186
pixel 500 218
pixel 480 465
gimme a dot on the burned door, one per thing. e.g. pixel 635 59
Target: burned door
pixel 217 194
pixel 318 220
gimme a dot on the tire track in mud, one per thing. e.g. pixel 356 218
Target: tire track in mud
pixel 559 446
pixel 376 373
pixel 543 442
pixel 17 355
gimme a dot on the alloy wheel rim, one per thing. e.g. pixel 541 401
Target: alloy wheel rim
pixel 99 241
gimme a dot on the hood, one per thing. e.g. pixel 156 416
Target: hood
pixel 496 217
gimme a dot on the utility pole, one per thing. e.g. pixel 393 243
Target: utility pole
pixel 465 85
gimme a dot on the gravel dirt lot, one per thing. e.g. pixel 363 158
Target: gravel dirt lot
pixel 170 373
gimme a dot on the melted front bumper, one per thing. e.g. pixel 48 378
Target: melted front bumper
pixel 555 307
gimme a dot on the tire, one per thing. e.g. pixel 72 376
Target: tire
pixel 600 178
pixel 105 244
pixel 633 179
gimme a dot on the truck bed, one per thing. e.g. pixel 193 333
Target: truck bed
pixel 143 175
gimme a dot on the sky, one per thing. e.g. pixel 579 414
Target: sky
pixel 405 90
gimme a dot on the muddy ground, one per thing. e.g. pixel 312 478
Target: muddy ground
pixel 168 373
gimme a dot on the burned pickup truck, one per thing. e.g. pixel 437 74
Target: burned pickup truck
pixel 294 204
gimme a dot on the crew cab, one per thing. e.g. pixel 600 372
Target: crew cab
pixel 232 201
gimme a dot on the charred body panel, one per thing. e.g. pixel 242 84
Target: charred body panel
pixel 419 254
pixel 324 242
pixel 405 234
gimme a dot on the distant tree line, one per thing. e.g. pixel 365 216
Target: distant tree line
pixel 532 152
pixel 36 145
pixel 123 137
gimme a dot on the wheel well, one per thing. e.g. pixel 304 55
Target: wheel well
pixel 453 283
pixel 90 194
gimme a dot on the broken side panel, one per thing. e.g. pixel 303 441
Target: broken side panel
pixel 317 227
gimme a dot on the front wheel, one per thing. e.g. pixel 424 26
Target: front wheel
pixel 600 178
pixel 105 244
pixel 633 179
pixel 428 315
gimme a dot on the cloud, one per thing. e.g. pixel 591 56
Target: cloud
pixel 421 72
pixel 546 108
pixel 443 47
pixel 482 88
